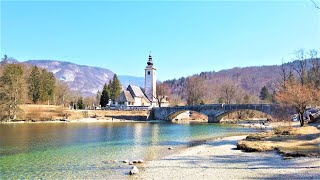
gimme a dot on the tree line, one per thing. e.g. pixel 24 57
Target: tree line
pixel 24 84
pixel 109 92
pixel 18 85
pixel 294 85
pixel 299 87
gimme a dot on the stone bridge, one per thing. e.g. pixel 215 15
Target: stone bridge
pixel 215 112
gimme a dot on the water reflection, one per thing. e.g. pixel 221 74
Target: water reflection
pixel 77 150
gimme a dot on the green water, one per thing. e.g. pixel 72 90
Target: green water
pixel 86 150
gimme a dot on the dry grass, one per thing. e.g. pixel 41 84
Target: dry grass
pixel 289 141
pixel 51 112
pixel 41 112
pixel 103 114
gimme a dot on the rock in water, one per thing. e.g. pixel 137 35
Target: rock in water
pixel 134 170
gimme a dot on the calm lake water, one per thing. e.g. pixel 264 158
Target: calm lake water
pixel 84 150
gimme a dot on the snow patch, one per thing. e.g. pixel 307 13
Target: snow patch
pixel 69 75
pixel 55 70
pixel 106 75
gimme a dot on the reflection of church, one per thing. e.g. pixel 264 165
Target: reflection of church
pixel 136 96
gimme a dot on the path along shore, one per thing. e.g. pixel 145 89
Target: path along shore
pixel 219 159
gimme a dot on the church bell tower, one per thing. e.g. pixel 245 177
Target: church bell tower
pixel 150 81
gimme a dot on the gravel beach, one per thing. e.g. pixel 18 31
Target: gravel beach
pixel 219 159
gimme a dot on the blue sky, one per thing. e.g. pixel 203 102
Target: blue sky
pixel 185 37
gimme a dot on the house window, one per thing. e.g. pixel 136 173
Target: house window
pixel 148 72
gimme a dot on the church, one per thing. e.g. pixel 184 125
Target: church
pixel 135 96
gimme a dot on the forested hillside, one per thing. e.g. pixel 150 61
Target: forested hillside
pixel 237 82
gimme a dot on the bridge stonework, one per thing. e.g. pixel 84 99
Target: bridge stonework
pixel 213 111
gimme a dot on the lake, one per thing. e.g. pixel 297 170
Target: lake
pixel 87 150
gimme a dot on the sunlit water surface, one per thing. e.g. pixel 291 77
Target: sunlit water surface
pixel 87 150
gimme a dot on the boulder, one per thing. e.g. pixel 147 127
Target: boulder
pixel 134 170
pixel 125 161
pixel 130 163
pixel 170 148
pixel 140 161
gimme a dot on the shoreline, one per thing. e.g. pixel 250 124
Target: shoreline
pixel 252 124
pixel 83 120
pixel 218 158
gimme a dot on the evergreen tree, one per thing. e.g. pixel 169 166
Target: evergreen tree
pixel 80 103
pixel 110 86
pixel 11 91
pixel 48 83
pixel 264 94
pixel 34 83
pixel 115 89
pixel 4 60
pixel 105 96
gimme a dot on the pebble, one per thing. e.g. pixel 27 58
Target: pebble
pixel 134 170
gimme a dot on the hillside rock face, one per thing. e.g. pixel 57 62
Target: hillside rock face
pixel 85 79
pixel 88 80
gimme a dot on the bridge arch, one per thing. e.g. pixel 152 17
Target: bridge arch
pixel 214 112
pixel 219 117
pixel 187 116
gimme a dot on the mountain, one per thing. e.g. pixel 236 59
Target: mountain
pixel 86 79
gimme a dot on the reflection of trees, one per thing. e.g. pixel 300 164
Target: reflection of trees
pixel 155 133
pixel 138 132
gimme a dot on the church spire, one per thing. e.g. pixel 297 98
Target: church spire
pixel 150 62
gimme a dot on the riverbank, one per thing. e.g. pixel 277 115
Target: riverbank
pixel 83 120
pixel 219 159
pixel 47 113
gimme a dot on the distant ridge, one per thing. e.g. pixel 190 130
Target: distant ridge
pixel 85 79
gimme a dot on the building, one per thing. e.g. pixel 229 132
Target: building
pixel 135 96
pixel 132 96
pixel 150 81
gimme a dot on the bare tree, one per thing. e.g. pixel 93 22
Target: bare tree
pixel 302 67
pixel 299 97
pixel 315 4
pixel 286 73
pixel 314 72
pixel 230 92
pixel 176 100
pixel 162 92
pixel 62 95
pixel 195 90
pixel 89 102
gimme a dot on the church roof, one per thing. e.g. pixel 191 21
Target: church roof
pixel 125 96
pixel 136 91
